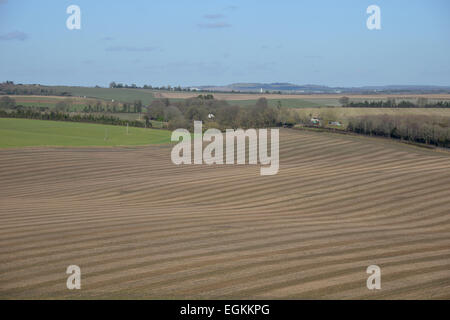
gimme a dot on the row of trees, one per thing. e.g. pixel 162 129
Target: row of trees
pixel 62 116
pixel 7 103
pixel 135 107
pixel 392 103
pixel 115 85
pixel 68 105
pixel 9 88
pixel 415 128
pixel 121 85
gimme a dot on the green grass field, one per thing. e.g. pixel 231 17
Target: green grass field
pixel 28 133
pixel 120 95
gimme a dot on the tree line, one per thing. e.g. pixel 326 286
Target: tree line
pixel 414 128
pixel 421 102
pixel 9 88
pixel 67 105
pixel 115 107
pixel 114 85
pixel 28 113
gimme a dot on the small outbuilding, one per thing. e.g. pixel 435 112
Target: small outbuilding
pixel 335 123
pixel 315 121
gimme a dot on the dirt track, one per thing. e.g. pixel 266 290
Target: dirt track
pixel 140 227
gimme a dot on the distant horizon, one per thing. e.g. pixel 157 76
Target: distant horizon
pixel 223 85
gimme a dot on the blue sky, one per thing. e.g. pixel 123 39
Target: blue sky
pixel 219 42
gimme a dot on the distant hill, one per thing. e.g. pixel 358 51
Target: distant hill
pixel 311 88
pixel 147 93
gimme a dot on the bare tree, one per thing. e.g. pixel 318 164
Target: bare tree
pixel 7 103
pixel 344 101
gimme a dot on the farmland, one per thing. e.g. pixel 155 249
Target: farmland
pixel 305 105
pixel 303 100
pixel 140 227
pixel 76 103
pixel 314 106
pixel 246 96
pixel 122 94
pixel 28 133
pixel 342 113
pixel 107 94
pixel 82 96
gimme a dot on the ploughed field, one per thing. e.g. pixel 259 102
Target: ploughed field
pixel 140 227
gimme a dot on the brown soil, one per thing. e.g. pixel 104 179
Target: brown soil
pixel 141 227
